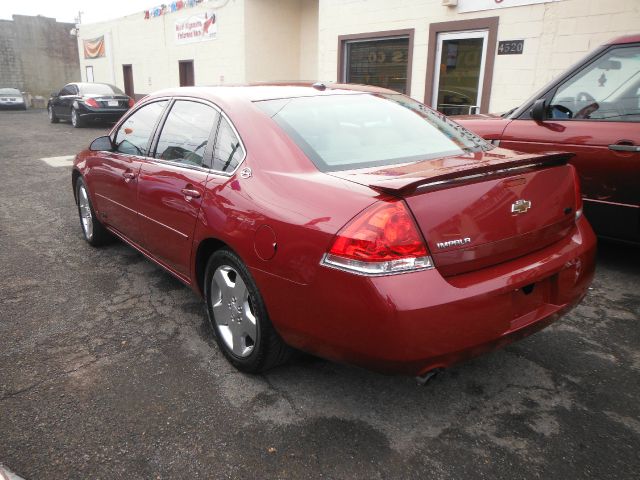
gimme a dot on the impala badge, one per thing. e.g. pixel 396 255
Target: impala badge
pixel 458 242
pixel 520 206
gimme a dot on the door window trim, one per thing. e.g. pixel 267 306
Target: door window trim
pixel 154 130
pixel 491 25
pixel 373 36
pixel 214 135
pixel 524 112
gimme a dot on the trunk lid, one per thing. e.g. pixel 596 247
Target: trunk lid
pixel 483 208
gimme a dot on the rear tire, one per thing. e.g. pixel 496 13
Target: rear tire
pixel 238 316
pixel 76 120
pixel 52 115
pixel 94 232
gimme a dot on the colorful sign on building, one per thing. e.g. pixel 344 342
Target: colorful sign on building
pixel 196 28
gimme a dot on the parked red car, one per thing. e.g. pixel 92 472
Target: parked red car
pixel 351 222
pixel 593 111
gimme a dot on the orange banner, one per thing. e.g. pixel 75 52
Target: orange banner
pixel 94 48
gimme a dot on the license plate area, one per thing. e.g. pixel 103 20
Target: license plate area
pixel 112 103
pixel 533 301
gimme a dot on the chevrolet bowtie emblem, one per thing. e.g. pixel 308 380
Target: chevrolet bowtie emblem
pixel 520 206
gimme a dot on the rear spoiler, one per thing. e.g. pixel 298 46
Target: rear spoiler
pixel 448 178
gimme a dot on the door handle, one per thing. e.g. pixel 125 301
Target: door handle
pixel 190 193
pixel 624 148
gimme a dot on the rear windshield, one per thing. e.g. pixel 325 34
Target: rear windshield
pixel 341 132
pixel 10 92
pixel 100 89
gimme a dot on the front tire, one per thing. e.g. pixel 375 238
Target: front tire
pixel 238 316
pixel 76 121
pixel 94 232
pixel 52 115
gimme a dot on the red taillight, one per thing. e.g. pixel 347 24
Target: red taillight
pixel 382 239
pixel 132 102
pixel 578 192
pixel 91 102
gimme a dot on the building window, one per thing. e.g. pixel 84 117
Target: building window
pixel 89 73
pixel 382 59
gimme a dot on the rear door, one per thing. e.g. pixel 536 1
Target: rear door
pixel 65 99
pixel 171 185
pixel 113 176
pixel 596 115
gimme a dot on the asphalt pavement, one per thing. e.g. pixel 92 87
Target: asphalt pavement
pixel 108 370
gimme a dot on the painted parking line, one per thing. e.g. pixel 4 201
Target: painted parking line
pixel 63 161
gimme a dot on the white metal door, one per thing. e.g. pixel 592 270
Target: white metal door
pixel 459 71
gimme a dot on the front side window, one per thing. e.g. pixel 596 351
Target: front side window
pixel 607 89
pixel 186 132
pixel 228 152
pixel 133 135
pixel 383 63
pixel 340 132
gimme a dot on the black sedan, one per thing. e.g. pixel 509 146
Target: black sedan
pixel 82 103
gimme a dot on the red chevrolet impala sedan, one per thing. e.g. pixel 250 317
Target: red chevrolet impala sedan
pixel 350 222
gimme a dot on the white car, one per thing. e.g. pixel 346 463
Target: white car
pixel 12 98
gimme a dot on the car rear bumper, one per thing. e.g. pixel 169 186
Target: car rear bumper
pixel 101 115
pixel 415 322
pixel 12 105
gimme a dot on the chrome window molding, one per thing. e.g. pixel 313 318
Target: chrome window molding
pixel 178 164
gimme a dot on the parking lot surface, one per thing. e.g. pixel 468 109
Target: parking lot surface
pixel 108 369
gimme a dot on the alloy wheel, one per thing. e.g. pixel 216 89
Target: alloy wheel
pixel 74 118
pixel 233 312
pixel 50 113
pixel 85 212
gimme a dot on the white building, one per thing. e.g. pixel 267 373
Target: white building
pixel 463 55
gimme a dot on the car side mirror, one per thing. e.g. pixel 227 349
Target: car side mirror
pixel 101 144
pixel 54 94
pixel 538 111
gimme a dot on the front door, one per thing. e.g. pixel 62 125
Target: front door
pixel 113 176
pixel 127 75
pixel 187 78
pixel 595 114
pixel 459 72
pixel 172 184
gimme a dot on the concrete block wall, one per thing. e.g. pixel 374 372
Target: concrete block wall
pixel 556 34
pixel 11 74
pixel 37 54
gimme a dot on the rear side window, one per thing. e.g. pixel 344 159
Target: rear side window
pixel 340 132
pixel 100 89
pixel 228 152
pixel 69 90
pixel 133 135
pixel 186 133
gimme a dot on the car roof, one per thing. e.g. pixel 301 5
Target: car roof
pixel 87 84
pixel 625 39
pixel 270 91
